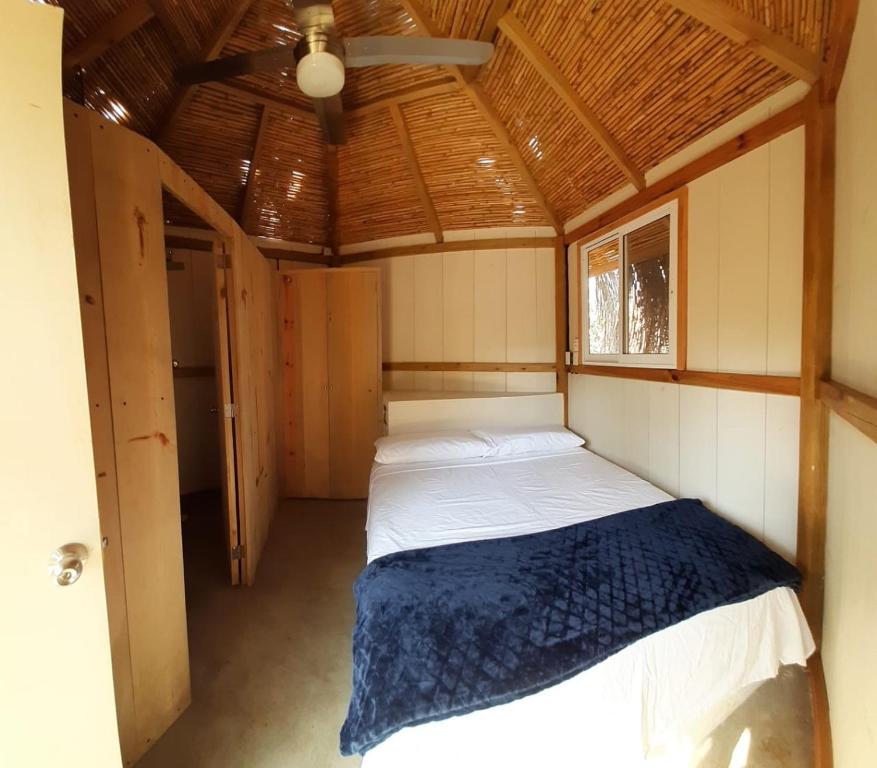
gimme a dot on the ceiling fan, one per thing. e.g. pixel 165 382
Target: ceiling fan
pixel 321 56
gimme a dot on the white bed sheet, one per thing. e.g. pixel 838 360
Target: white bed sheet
pixel 647 705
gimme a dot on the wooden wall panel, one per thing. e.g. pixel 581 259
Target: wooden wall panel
pixel 355 405
pixel 699 442
pixel 255 354
pixel 484 306
pixel 127 192
pixel 86 243
pixel 306 395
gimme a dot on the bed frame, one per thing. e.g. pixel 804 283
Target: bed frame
pixel 427 412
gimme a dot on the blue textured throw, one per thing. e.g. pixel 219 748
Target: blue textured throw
pixel 444 631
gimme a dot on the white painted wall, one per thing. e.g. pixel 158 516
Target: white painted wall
pixel 850 625
pixel 737 451
pixel 465 306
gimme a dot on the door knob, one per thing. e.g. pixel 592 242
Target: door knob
pixel 66 563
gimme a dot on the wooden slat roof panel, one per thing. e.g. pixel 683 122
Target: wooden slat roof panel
pixel 134 96
pixel 801 21
pixel 214 143
pixel 469 176
pixel 290 185
pixel 569 166
pixel 376 194
pixel 657 79
pixel 82 19
pixel 267 24
pixel 196 20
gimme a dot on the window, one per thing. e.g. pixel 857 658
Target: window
pixel 628 292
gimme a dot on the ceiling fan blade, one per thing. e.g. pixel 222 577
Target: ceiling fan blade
pixel 250 63
pixel 330 113
pixel 373 51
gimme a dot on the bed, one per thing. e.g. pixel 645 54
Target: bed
pixel 651 703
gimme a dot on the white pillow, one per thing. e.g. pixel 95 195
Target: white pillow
pixel 510 441
pixel 431 446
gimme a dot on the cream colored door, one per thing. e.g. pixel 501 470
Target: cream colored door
pixel 57 705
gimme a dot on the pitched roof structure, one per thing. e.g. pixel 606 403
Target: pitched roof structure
pixel 579 99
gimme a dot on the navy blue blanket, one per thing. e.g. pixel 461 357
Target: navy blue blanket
pixel 443 631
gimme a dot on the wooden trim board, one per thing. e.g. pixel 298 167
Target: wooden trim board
pixel 451 246
pixel 743 382
pixel 853 406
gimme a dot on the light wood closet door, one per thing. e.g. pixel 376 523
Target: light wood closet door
pixel 354 379
pixel 306 386
pixel 332 380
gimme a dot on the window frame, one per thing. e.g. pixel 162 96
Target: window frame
pixel 675 208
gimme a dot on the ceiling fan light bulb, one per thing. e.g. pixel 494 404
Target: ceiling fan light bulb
pixel 320 74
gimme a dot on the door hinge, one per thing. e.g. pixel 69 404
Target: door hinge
pixel 238 552
pixel 230 410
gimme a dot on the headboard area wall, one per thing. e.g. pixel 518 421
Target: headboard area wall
pixel 436 411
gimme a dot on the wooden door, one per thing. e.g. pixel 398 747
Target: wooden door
pixel 57 705
pixel 355 406
pixel 304 354
pixel 225 416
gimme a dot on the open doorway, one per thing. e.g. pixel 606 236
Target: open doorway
pixel 203 402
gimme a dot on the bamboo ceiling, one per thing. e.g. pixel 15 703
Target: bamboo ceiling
pixel 654 77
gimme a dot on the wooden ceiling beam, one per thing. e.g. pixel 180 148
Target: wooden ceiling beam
pixel 405 95
pixel 164 17
pixel 514 31
pixel 124 23
pixel 248 212
pixel 416 174
pixel 212 48
pixel 482 103
pixel 752 34
pixel 487 33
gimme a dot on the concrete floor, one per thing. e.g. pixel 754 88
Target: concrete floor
pixel 271 663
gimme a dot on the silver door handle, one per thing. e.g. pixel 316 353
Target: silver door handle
pixel 65 563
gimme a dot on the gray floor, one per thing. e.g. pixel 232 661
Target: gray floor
pixel 271 663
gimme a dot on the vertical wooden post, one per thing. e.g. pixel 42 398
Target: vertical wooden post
pixel 561 322
pixel 815 354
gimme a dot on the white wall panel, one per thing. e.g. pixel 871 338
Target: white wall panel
pixel 740 459
pixel 781 474
pixel 522 341
pixel 736 451
pixel 456 306
pixel 743 259
pixel 544 319
pixel 664 436
pixel 785 253
pixel 489 331
pixel 703 272
pixel 698 440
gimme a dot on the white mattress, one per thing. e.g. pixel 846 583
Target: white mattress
pixel 647 705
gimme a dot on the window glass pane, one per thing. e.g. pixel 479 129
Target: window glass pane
pixel 604 297
pixel 647 252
